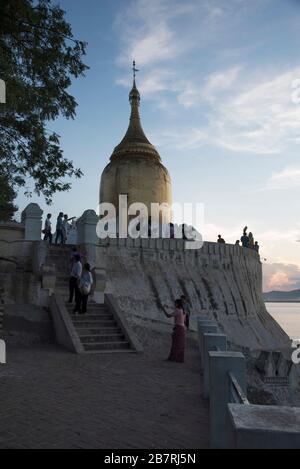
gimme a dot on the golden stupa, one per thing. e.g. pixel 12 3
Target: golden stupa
pixel 135 167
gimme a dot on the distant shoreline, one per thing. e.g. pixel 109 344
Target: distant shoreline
pixel 282 301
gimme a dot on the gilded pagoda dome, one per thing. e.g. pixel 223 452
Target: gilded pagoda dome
pixel 135 167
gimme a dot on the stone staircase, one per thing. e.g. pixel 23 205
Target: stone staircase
pixel 98 330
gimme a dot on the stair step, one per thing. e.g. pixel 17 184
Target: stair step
pixel 97 330
pixel 93 339
pixel 92 317
pixel 129 350
pixel 106 346
pixel 88 324
pixel 91 305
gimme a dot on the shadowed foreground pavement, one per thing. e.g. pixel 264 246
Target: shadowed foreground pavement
pixel 54 399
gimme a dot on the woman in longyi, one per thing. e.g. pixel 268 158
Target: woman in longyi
pixel 179 332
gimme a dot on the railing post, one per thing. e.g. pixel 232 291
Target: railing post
pixel 211 343
pixel 205 327
pixel 2 343
pixel 220 365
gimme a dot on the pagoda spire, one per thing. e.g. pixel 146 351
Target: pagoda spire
pixel 135 141
pixel 134 96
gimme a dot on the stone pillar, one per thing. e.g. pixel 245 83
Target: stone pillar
pixel 2 343
pixel 211 343
pixel 220 365
pixel 99 276
pixel 88 240
pixel 86 227
pixel 32 220
pixel 205 327
pixel 1 311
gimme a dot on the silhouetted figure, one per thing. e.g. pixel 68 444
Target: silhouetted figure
pixel 251 241
pixel 256 247
pixel 172 231
pixel 85 288
pixel 75 277
pixel 48 229
pixel 60 229
pixel 245 238
pixel 149 227
pixel 179 332
pixel 66 227
pixel 221 240
pixel 187 310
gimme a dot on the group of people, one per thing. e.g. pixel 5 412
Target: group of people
pixel 62 228
pixel 181 315
pixel 81 282
pixel 247 241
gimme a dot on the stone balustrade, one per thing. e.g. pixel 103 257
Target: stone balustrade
pixel 209 248
pixel 234 422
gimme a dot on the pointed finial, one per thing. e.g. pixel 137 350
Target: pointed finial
pixel 135 70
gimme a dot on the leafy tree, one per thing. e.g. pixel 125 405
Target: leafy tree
pixel 38 58
pixel 7 197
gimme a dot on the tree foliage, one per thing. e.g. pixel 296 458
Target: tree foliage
pixel 38 58
pixel 7 197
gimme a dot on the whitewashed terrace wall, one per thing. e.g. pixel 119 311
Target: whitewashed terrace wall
pixel 221 281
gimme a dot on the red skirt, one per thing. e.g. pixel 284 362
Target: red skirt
pixel 178 344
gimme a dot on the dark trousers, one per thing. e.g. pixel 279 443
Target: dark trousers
pixel 48 237
pixel 187 321
pixel 72 288
pixel 60 235
pixel 81 301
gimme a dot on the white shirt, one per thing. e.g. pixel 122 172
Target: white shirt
pixel 48 225
pixel 86 279
pixel 76 270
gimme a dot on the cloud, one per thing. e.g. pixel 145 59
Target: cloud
pixel 220 81
pixel 288 178
pixel 283 277
pixel 146 32
pixel 244 114
pixel 157 45
pixel 161 30
pixel 242 110
pixel 262 119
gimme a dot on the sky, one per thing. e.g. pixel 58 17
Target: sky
pixel 220 88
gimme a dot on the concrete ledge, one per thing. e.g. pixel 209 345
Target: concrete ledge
pixel 211 342
pixel 261 427
pixel 205 327
pixel 220 365
pixel 65 332
pixel 123 323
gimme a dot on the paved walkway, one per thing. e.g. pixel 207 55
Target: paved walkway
pixel 53 399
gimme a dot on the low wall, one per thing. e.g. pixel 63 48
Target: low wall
pixel 11 231
pixel 27 324
pixel 223 282
pixel 20 271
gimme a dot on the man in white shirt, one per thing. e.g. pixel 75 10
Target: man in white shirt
pixel 48 229
pixel 75 276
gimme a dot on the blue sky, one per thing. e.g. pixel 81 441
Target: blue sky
pixel 216 80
